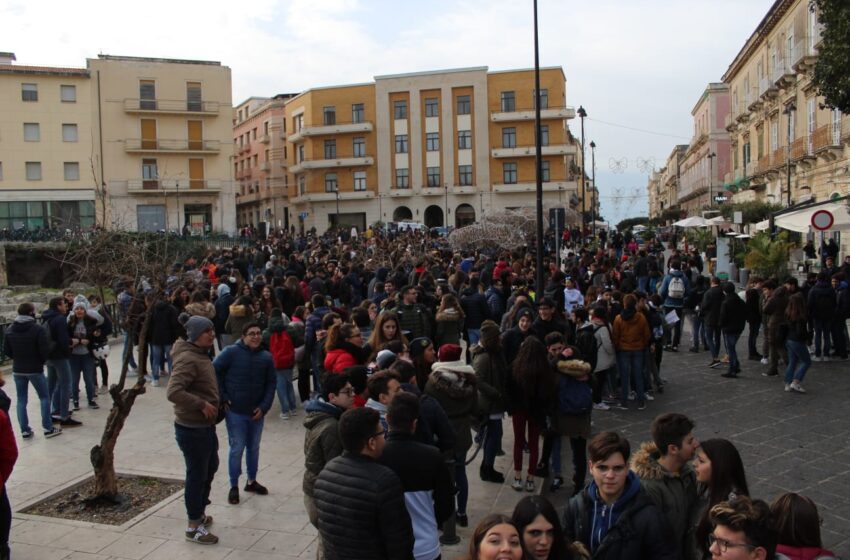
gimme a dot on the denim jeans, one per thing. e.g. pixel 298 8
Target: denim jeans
pixel 318 367
pixel 128 347
pixel 630 364
pixel 59 385
pixel 712 336
pixel 461 482
pixel 492 442
pixel 200 451
pixel 556 454
pixel 822 337
pixel 798 354
pixel 643 283
pixel 839 334
pixel 39 383
pixel 676 329
pixel 474 335
pixel 731 342
pixel 83 364
pixel 752 337
pixel 285 390
pixel 243 436
pixel 158 353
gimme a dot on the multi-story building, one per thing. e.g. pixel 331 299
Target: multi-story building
pixel 46 146
pixel 663 185
pixel 709 155
pixel 164 129
pixel 442 147
pixel 654 193
pixel 779 126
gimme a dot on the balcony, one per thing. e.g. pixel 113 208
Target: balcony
pixel 767 88
pixel 803 57
pixel 783 75
pixel 265 139
pixel 730 123
pixel 802 151
pixel 308 164
pixel 244 149
pixel 173 186
pixel 826 141
pixel 751 168
pixel 142 145
pixel 531 151
pixel 553 186
pixel 742 114
pixel 763 165
pixel 336 128
pixel 779 157
pixel 172 106
pixel 529 114
pixel 266 166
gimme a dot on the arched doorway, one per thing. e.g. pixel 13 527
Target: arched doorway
pixel 433 216
pixel 464 215
pixel 402 213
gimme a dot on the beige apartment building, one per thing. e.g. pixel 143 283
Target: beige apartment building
pixel 46 146
pixel 441 147
pixel 777 122
pixel 663 185
pixel 164 128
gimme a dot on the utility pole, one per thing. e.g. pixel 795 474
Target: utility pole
pixel 539 165
pixel 593 181
pixel 582 114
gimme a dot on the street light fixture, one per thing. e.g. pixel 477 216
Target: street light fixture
pixel 582 114
pixel 711 157
pixel 593 182
pixel 789 111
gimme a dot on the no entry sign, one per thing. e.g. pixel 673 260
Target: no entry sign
pixel 822 220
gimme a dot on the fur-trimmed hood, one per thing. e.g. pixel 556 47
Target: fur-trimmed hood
pixel 645 464
pixel 237 310
pixel 450 314
pixel 456 379
pixel 574 368
pixel 201 308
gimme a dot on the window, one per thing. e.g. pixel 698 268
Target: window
pixel 508 101
pixel 149 170
pixel 329 115
pixel 401 144
pixel 32 132
pixel 402 179
pixel 544 98
pixel 464 139
pixel 69 132
pixel 433 176
pixel 302 184
pixel 331 184
pixel 359 180
pixel 463 105
pixel 400 109
pixel 544 134
pixel 359 146
pixel 358 114
pixel 330 149
pixel 72 171
pixel 746 153
pixel 432 142
pixel 432 107
pixel 147 94
pixel 298 123
pixel 68 94
pixel 33 171
pixel 509 137
pixel 464 173
pixel 509 173
pixel 266 128
pixel 29 92
pixel 544 171
pixel 300 157
pixel 193 96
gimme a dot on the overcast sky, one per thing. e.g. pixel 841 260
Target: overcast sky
pixel 636 64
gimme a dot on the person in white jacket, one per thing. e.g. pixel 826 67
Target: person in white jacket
pixel 606 356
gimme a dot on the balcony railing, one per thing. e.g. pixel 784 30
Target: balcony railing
pixel 783 73
pixel 159 186
pixel 266 166
pixel 306 164
pixel 730 120
pixel 763 164
pixel 338 127
pixel 171 106
pixel 801 148
pixel 163 145
pixel 751 168
pixel 779 157
pixel 265 139
pixel 803 57
pixel 528 114
pixel 825 137
pixel 531 151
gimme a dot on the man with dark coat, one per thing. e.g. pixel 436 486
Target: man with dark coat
pixel 709 309
pixel 222 312
pixel 733 317
pixel 821 307
pixel 475 309
pixel 362 512
pixel 774 308
pixel 59 379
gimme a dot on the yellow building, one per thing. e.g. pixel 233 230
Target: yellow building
pixel 777 123
pixel 46 146
pixel 425 146
pixel 164 128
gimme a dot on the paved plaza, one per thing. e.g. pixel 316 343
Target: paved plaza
pixel 789 442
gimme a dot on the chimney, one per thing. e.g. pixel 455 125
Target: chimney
pixel 7 57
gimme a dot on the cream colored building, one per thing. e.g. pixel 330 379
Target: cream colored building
pixel 165 129
pixel 435 147
pixel 655 193
pixel 777 121
pixel 46 146
pixel 663 185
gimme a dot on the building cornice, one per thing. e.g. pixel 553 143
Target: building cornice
pixel 767 24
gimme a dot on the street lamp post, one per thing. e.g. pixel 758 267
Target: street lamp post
pixel 336 191
pixel 789 111
pixel 446 209
pixel 711 157
pixel 177 189
pixel 582 114
pixel 538 150
pixel 593 181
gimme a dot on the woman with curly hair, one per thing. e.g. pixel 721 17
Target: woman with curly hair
pixel 344 348
pixel 387 328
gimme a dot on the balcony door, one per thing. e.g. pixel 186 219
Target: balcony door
pixel 196 173
pixel 196 135
pixel 149 134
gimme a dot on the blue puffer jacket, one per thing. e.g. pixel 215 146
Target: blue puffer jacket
pixel 246 378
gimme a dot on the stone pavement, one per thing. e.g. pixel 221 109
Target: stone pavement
pixel 789 442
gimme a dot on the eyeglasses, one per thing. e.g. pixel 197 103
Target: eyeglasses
pixel 382 433
pixel 725 545
pixel 348 392
pixel 253 333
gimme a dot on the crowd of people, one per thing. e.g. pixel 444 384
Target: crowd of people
pixel 408 354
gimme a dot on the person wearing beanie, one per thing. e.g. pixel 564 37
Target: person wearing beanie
pixel 733 317
pixel 83 327
pixel 385 359
pixel 453 384
pixel 491 370
pixel 193 390
pixel 422 354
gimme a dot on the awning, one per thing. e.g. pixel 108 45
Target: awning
pixel 693 221
pixel 801 220
pixel 762 225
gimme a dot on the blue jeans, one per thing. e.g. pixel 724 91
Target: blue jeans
pixel 83 364
pixel 630 363
pixel 128 347
pixel 461 482
pixel 318 367
pixel 712 334
pixel 643 283
pixel 798 354
pixel 200 451
pixel 731 342
pixel 492 442
pixel 285 391
pixel 676 329
pixel 697 331
pixel 243 436
pixel 39 383
pixel 823 330
pixel 556 455
pixel 157 354
pixel 474 336
pixel 59 385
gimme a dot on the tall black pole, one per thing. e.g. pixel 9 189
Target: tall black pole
pixel 539 165
pixel 582 113
pixel 593 182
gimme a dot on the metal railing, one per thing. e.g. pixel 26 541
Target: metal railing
pixel 171 185
pixel 164 145
pixel 171 105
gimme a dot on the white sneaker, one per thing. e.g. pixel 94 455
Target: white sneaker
pixel 648 397
pixel 155 383
pixel 765 361
pixel 293 412
pixel 103 390
pixel 817 359
pixel 284 416
pixel 601 406
pixel 787 387
pixel 825 359
pixel 797 388
pixel 132 372
pixel 632 395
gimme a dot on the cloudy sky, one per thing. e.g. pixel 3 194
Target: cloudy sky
pixel 637 66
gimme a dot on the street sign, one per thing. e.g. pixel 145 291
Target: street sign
pixel 303 215
pixel 721 198
pixel 822 220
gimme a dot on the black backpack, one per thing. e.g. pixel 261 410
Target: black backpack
pixel 586 343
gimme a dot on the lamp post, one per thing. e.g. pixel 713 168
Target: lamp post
pixel 177 190
pixel 446 208
pixel 582 114
pixel 711 157
pixel 538 150
pixel 336 191
pixel 593 181
pixel 789 111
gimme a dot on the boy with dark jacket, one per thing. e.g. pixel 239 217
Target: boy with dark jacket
pixel 733 317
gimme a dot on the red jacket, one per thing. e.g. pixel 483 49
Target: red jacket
pixel 8 447
pixel 283 352
pixel 339 359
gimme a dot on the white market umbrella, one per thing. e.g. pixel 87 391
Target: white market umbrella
pixel 693 221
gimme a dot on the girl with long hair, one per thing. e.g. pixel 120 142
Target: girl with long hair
pixel 541 532
pixel 449 319
pixel 268 301
pixel 720 474
pixel 495 537
pixel 797 521
pixel 344 348
pixel 387 328
pixel 796 333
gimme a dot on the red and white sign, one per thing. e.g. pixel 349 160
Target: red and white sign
pixel 822 220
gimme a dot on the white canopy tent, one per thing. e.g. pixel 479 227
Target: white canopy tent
pixel 801 220
pixel 693 221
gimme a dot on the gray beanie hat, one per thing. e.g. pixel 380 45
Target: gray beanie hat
pixel 196 326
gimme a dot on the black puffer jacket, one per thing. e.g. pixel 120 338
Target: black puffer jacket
pixel 26 343
pixel 164 328
pixel 362 514
pixel 733 314
pixel 710 307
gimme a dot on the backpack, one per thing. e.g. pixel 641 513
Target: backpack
pixel 586 343
pixel 676 287
pixel 282 350
pixel 574 397
pixel 51 342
